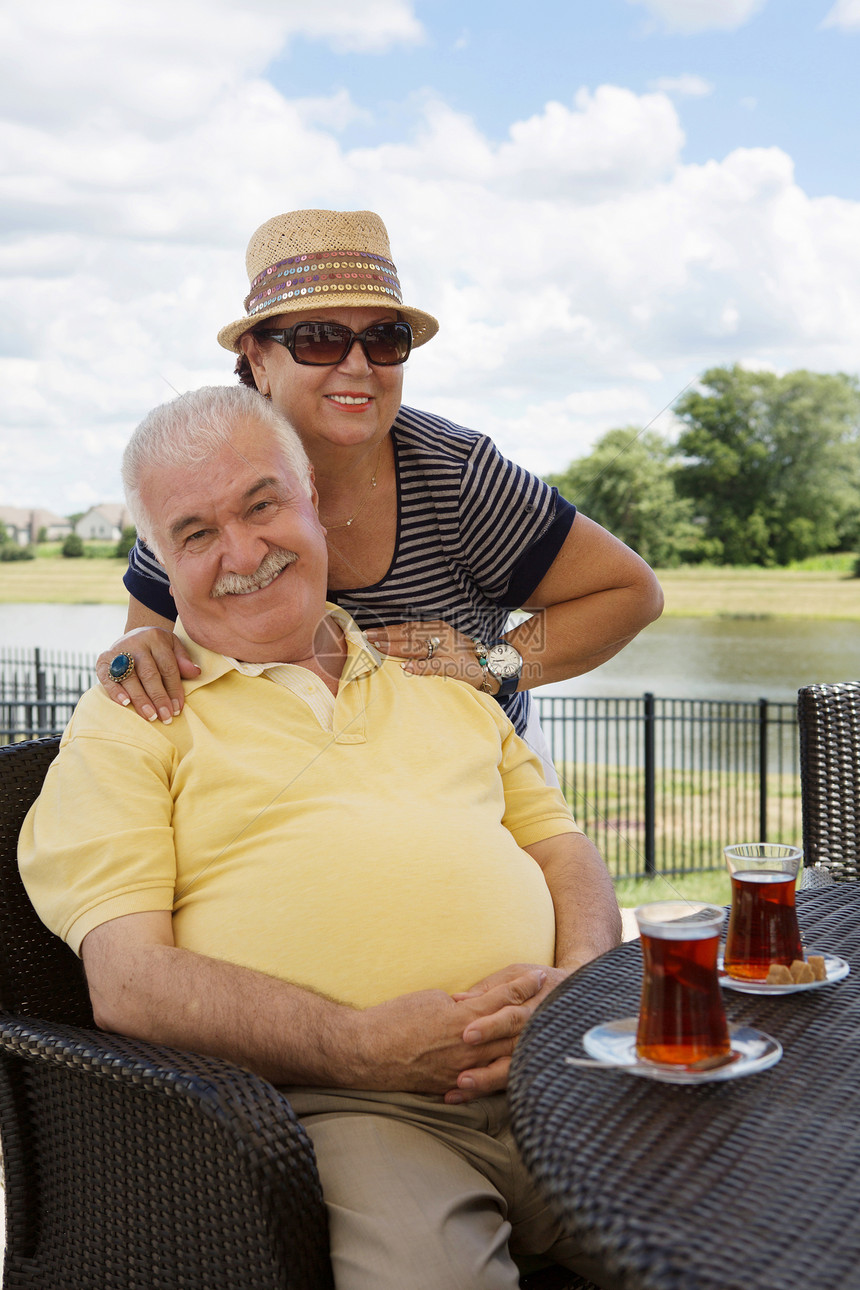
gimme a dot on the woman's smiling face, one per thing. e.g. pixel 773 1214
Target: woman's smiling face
pixel 353 402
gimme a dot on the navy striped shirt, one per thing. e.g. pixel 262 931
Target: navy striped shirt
pixel 475 535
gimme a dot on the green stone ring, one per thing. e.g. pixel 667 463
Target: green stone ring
pixel 121 667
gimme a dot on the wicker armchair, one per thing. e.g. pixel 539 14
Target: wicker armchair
pixel 829 720
pixel 129 1166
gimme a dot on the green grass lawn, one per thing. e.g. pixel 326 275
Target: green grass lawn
pixel 712 885
pixel 826 592
pixel 823 588
pixel 695 812
pixel 58 581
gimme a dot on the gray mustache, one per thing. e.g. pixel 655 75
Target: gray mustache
pixel 239 584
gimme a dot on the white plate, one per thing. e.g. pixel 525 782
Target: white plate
pixel 835 968
pixel 614 1045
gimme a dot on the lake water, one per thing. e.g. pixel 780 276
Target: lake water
pixel 713 658
pixel 73 629
pixel 699 658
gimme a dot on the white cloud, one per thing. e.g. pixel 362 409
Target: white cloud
pixel 165 62
pixel 703 15
pixel 613 140
pixel 688 86
pixel 635 295
pixel 370 27
pixel 844 14
pixel 333 113
pixel 582 273
pixel 608 141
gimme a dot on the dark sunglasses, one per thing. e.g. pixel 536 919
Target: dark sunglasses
pixel 323 344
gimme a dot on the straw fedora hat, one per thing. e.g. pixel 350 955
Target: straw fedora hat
pixel 322 259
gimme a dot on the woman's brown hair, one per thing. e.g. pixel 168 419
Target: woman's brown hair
pixel 244 373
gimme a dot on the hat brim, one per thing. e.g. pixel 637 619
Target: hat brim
pixel 424 326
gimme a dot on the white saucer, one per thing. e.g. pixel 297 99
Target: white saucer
pixel 835 968
pixel 614 1045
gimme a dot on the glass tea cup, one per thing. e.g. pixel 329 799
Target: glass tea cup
pixel 682 1020
pixel 763 921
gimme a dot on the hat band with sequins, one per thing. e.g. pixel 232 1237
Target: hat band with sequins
pixel 295 264
pixel 327 271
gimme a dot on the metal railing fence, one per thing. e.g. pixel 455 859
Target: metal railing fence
pixel 660 785
pixel 38 691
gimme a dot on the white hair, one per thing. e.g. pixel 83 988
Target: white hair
pixel 195 426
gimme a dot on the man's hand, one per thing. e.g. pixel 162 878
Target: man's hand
pixel 424 1042
pixel 481 1079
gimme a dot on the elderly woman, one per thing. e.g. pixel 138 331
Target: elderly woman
pixel 433 536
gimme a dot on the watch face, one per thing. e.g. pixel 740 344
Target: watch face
pixel 503 660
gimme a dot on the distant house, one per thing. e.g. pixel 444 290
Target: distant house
pixel 104 522
pixel 24 525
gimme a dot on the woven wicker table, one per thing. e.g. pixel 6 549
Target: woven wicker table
pixel 750 1184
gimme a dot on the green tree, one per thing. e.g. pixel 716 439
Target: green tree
pixel 11 550
pixel 73 546
pixel 627 484
pixel 772 463
pixel 126 542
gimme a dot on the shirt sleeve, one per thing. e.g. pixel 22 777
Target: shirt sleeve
pixel 534 810
pixel 536 560
pixel 147 581
pixel 98 842
pixel 512 526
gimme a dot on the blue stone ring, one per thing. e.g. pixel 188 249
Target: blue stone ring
pixel 121 667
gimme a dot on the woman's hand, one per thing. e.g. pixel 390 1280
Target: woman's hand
pixel 154 688
pixel 430 649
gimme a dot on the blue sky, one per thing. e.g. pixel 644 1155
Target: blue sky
pixel 598 201
pixel 782 78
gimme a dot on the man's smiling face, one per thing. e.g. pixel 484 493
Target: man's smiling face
pixel 244 549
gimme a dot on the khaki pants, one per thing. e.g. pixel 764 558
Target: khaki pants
pixel 424 1196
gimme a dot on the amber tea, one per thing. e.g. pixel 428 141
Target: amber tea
pixel 682 1020
pixel 763 921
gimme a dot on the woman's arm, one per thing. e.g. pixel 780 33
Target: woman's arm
pixel 595 597
pixel 154 688
pixel 140 616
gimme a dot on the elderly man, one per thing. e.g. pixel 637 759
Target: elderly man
pixel 351 880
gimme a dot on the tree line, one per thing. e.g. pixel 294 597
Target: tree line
pixel 73 545
pixel 765 471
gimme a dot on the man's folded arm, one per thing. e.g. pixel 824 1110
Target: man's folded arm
pixel 587 917
pixel 143 985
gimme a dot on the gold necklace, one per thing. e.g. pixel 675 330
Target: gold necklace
pixel 345 524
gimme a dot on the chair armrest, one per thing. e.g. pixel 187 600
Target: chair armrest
pixel 814 876
pixel 152 1166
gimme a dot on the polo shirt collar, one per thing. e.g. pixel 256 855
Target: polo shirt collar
pixel 361 660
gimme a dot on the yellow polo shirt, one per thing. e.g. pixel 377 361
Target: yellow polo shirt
pixel 363 846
